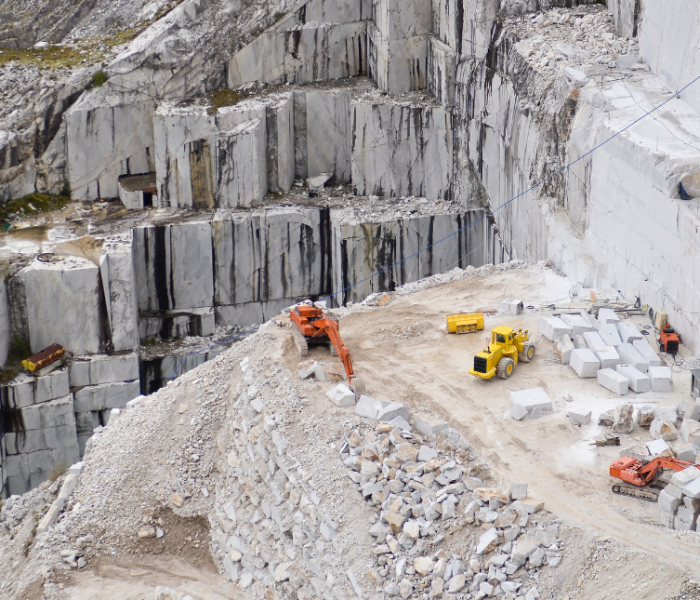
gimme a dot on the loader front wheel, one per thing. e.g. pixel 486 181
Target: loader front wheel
pixel 528 353
pixel 505 368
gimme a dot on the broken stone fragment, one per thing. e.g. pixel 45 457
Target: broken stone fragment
pixel 645 416
pixel 423 565
pixel 660 428
pixel 623 419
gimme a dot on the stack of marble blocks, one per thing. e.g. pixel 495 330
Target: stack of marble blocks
pixel 613 351
pixel 679 502
pixel 40 437
pixel 100 383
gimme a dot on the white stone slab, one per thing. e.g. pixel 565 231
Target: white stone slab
pixel 563 348
pixel 367 407
pixel 593 340
pixel 578 324
pixel 608 332
pixel 584 363
pixel 639 382
pixel 341 395
pixel 553 328
pixel 613 381
pixel 400 150
pixel 628 331
pixel 511 306
pixel 531 399
pixel 63 304
pixel 644 348
pixel 659 448
pixel 661 379
pixel 608 357
pixel 629 356
pixel 607 316
pixel 428 424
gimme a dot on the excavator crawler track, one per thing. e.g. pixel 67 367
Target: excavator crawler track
pixel 300 342
pixel 632 491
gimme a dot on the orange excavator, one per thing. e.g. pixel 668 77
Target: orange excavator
pixel 312 327
pixel 645 478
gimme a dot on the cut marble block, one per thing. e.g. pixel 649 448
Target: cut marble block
pixel 610 335
pixel 584 363
pixel 608 357
pixel 644 348
pixel 593 340
pixel 553 328
pixel 607 316
pixel 629 356
pixel 401 150
pixel 578 324
pixel 64 302
pixel 532 399
pixel 639 382
pixel 613 381
pixel 661 379
pixel 628 331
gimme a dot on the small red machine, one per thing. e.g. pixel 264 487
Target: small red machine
pixel 313 327
pixel 669 340
pixel 640 475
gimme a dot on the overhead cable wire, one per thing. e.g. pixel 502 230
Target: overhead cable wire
pixel 514 198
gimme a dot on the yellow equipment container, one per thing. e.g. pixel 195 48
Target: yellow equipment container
pixel 502 354
pixel 465 322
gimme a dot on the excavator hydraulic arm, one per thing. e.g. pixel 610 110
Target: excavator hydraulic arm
pixel 312 322
pixel 330 327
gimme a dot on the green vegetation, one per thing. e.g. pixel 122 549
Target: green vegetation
pixel 58 470
pixel 99 78
pixel 221 98
pixel 279 16
pixel 19 348
pixel 31 205
pixel 87 51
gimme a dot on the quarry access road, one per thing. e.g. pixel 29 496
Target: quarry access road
pixel 404 354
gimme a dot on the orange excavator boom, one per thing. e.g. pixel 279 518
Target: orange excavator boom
pixel 312 322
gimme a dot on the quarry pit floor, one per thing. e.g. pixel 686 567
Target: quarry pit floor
pixel 404 354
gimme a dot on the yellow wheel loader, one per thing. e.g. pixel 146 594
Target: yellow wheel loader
pixel 507 347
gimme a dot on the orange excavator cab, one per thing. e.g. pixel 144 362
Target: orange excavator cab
pixel 313 327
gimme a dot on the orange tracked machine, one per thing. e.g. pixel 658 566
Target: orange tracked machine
pixel 312 327
pixel 645 478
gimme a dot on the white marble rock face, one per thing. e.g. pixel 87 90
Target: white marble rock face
pixel 368 248
pixel 442 71
pixel 328 134
pixel 4 323
pixel 172 266
pixel 397 19
pixel 240 165
pixel 402 150
pixel 305 53
pixel 280 144
pixel 397 66
pixel 104 142
pixel 116 266
pixel 64 304
pixel 271 256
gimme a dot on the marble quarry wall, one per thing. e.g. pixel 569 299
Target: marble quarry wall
pixel 466 102
pixel 183 277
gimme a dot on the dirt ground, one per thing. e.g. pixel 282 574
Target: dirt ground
pixel 615 547
pixel 404 354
